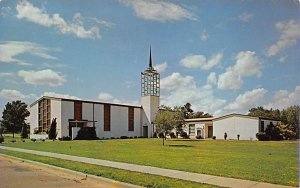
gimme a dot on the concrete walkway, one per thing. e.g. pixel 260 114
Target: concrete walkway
pixel 189 176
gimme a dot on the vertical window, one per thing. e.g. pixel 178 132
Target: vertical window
pixel 44 117
pixel 78 110
pixel 192 129
pixel 130 119
pixel 106 117
pixel 262 126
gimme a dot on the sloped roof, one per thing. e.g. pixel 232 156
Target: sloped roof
pixel 84 101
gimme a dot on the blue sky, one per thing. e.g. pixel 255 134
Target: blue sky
pixel 221 56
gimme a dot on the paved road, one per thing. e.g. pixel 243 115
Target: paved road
pixel 15 174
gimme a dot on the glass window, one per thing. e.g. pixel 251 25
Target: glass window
pixel 262 126
pixel 192 129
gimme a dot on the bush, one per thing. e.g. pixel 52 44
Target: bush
pixel 13 141
pixel 273 132
pixel 263 137
pixel 155 135
pixel 172 135
pixel 123 137
pixel 184 135
pixel 65 138
pixel 112 138
pixel 87 133
pixel 214 137
pixel 199 137
pixel 1 139
pixel 36 131
pixel 33 139
pixel 135 137
pixel 52 133
pixel 161 135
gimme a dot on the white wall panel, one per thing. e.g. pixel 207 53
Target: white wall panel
pixel 245 127
pixel 56 113
pixel 33 118
pixel 67 112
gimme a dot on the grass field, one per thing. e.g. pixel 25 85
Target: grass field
pixel 145 180
pixel 274 162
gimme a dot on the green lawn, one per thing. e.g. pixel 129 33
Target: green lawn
pixel 145 180
pixel 274 162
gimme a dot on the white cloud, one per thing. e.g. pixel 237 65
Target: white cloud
pixel 9 51
pixel 200 61
pixel 247 100
pixel 106 97
pixel 10 94
pixel 245 17
pixel 204 36
pixel 27 11
pixel 178 90
pixel 5 74
pixel 289 35
pixel 230 80
pixel 175 80
pixel 212 78
pixel 247 64
pixel 159 10
pixel 283 99
pixel 58 95
pixel 282 59
pixel 43 77
pixel 161 67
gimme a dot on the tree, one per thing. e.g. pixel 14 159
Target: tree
pixel 167 120
pixel 292 119
pixel 187 110
pixel 52 132
pixel 289 117
pixel 14 116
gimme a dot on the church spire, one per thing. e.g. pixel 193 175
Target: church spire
pixel 150 59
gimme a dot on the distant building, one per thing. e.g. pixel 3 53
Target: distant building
pixel 237 124
pixel 199 127
pixel 110 120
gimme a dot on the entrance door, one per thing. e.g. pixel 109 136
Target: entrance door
pixel 210 131
pixel 72 124
pixel 199 132
pixel 145 131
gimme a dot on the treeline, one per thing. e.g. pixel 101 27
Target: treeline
pixel 289 118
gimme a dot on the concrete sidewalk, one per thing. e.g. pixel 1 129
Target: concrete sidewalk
pixel 189 176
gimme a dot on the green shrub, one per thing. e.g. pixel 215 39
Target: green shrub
pixel 36 131
pixel 87 133
pixel 263 137
pixel 214 137
pixel 184 135
pixel 33 139
pixel 52 132
pixel 199 137
pixel 172 135
pixel 124 137
pixel 65 138
pixel 161 135
pixel 155 135
pixel 1 139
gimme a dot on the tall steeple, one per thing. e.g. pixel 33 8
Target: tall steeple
pixel 150 92
pixel 150 59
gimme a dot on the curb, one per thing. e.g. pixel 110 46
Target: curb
pixel 80 174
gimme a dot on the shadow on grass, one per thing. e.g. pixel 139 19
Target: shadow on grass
pixel 181 146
